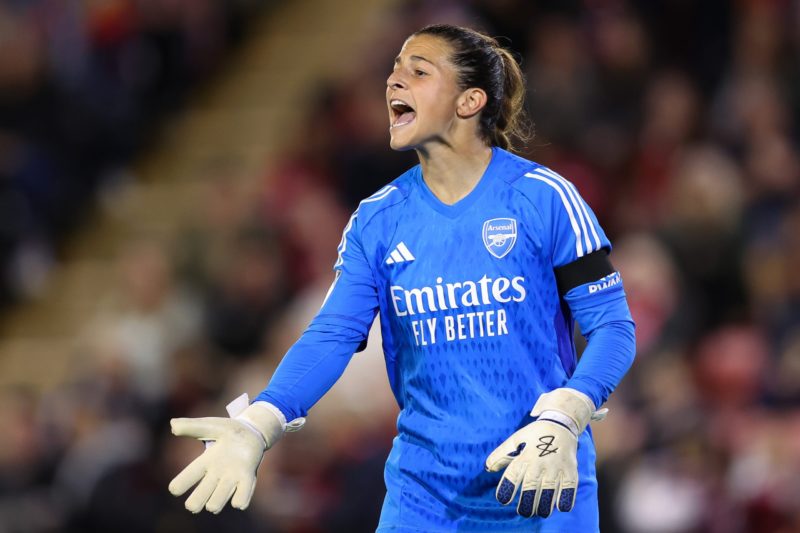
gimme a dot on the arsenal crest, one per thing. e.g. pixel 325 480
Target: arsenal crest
pixel 499 236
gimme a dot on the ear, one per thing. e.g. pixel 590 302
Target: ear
pixel 471 102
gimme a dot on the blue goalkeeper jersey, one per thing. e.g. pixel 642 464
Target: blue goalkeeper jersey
pixel 474 330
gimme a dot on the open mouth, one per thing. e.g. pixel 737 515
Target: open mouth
pixel 402 113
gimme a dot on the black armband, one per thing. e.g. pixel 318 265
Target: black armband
pixel 588 268
pixel 362 346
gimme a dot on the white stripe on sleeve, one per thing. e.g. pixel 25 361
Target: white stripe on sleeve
pixel 588 218
pixel 379 195
pixel 580 203
pixel 330 290
pixel 573 196
pixel 567 206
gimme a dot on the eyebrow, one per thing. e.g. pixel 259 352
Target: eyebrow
pixel 415 58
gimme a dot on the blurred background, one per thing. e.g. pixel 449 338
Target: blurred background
pixel 175 176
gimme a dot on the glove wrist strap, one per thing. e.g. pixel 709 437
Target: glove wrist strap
pixel 287 427
pixel 254 429
pixel 262 418
pixel 562 419
pixel 570 404
pixel 275 411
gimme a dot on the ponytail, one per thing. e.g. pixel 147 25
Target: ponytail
pixel 512 121
pixel 482 63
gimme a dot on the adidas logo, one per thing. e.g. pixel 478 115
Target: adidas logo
pixel 400 254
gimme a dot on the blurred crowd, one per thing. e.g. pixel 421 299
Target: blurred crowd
pixel 83 88
pixel 677 121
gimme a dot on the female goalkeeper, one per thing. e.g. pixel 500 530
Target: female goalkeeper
pixel 479 263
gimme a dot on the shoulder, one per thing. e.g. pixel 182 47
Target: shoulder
pixel 390 195
pixel 532 179
pixel 530 182
pixel 512 166
pixel 544 187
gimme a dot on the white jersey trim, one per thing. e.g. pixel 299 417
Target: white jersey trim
pixel 575 205
pixel 379 195
pixel 579 202
pixel 567 206
pixel 330 289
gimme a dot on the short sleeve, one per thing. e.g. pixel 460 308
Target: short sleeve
pixel 571 225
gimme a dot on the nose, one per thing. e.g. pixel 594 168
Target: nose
pixel 395 81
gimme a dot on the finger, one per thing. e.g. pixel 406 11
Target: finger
pixel 200 428
pixel 503 455
pixel 530 487
pixel 512 477
pixel 544 506
pixel 221 495
pixel 526 499
pixel 568 490
pixel 244 492
pixel 201 494
pixel 188 477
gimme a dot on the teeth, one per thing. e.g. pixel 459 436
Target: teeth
pixel 399 103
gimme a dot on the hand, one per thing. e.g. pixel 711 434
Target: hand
pixel 542 456
pixel 234 449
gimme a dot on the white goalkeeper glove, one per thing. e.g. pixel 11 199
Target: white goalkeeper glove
pixel 234 449
pixel 542 456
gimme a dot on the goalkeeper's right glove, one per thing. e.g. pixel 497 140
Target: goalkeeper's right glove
pixel 234 449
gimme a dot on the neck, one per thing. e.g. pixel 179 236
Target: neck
pixel 452 171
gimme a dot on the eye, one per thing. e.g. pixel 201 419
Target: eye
pixel 420 73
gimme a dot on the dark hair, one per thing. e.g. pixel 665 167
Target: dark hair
pixel 484 64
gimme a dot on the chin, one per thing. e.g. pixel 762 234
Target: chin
pixel 400 145
pixel 397 147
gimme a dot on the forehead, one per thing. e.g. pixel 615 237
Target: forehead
pixel 434 49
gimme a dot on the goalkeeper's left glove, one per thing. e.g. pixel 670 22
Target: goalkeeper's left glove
pixel 542 456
